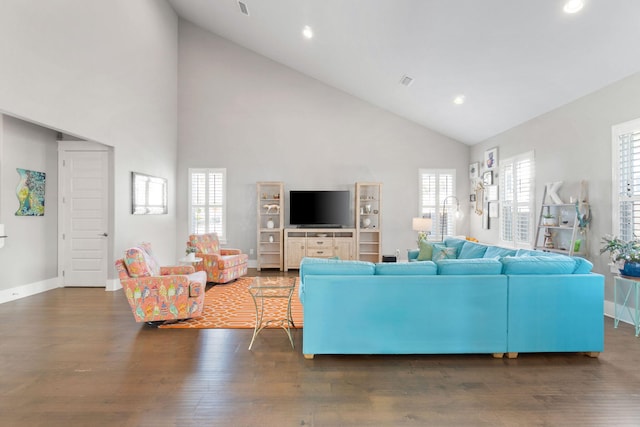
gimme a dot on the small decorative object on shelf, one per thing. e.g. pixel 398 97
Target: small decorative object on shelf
pixel 270 223
pixel 624 254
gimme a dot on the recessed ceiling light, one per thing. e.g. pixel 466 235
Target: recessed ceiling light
pixel 458 100
pixel 307 32
pixel 573 6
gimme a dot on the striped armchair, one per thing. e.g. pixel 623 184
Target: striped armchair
pixel 221 265
pixel 156 293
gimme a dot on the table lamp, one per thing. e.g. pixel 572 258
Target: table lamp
pixel 423 227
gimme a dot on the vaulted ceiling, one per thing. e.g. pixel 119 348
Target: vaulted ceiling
pixel 512 60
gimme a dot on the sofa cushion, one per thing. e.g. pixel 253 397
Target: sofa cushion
pixel 134 260
pixel 474 266
pixel 441 251
pixel 471 250
pixel 559 264
pixel 152 262
pixel 335 267
pixel 229 261
pixel 418 268
pixel 426 251
pixel 533 252
pixel 496 251
pixel 583 266
pixel 454 242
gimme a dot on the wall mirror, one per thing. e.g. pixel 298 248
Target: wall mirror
pixel 148 194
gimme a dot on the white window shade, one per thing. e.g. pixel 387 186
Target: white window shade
pixel 516 200
pixel 207 202
pixel 627 191
pixel 436 186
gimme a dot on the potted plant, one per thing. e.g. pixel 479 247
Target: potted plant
pixel 548 219
pixel 191 253
pixel 624 254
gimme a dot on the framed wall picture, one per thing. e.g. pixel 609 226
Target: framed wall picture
pixel 493 209
pixel 474 170
pixel 491 158
pixel 148 194
pixel 487 178
pixel 491 192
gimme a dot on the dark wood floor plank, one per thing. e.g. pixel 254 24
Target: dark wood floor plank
pixel 76 357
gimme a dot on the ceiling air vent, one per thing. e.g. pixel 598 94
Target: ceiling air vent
pixel 406 80
pixel 243 8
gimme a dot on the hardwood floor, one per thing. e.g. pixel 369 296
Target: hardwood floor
pixel 75 357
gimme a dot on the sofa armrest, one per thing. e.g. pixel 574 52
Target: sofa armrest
pixel 176 269
pixel 229 251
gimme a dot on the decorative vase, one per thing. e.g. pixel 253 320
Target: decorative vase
pixel 631 269
pixel 366 222
pixel 191 256
pixel 270 223
pixel 270 238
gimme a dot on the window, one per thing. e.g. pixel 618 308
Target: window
pixel 626 180
pixel 437 187
pixel 516 200
pixel 207 202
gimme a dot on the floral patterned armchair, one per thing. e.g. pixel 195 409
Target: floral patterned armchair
pixel 157 293
pixel 221 265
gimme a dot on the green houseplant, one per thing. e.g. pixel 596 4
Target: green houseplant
pixel 625 254
pixel 191 252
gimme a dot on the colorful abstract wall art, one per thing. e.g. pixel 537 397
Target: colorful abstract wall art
pixel 30 192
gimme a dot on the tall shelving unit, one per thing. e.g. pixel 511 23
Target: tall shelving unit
pixel 559 228
pixel 270 224
pixel 368 221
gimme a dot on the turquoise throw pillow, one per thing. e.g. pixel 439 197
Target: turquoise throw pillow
pixel 443 252
pixel 471 250
pixel 426 251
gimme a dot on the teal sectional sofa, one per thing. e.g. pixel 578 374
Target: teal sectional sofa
pixel 508 302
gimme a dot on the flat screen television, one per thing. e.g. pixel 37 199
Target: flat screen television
pixel 320 208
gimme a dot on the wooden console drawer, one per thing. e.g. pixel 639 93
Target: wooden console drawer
pixel 320 252
pixel 319 243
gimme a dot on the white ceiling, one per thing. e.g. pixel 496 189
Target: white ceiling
pixel 513 60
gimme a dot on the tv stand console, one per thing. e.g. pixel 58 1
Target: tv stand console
pixel 317 243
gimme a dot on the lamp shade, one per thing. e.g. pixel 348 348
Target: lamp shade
pixel 422 224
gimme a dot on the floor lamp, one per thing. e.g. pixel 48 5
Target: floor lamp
pixel 443 218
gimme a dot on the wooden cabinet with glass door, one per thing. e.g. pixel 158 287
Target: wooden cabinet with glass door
pixel 368 221
pixel 270 223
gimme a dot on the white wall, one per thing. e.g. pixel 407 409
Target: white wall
pixel 32 240
pixel 573 143
pixel 104 71
pixel 266 122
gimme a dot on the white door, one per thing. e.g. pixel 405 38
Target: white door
pixel 85 197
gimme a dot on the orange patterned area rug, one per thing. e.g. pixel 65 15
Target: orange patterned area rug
pixel 230 306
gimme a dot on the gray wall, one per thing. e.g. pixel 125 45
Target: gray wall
pixel 264 121
pixel 571 144
pixel 31 238
pixel 104 71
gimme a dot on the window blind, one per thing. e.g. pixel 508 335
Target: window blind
pixel 516 185
pixel 628 192
pixel 207 188
pixel 435 187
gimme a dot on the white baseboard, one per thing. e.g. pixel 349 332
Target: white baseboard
pixel 23 291
pixel 113 285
